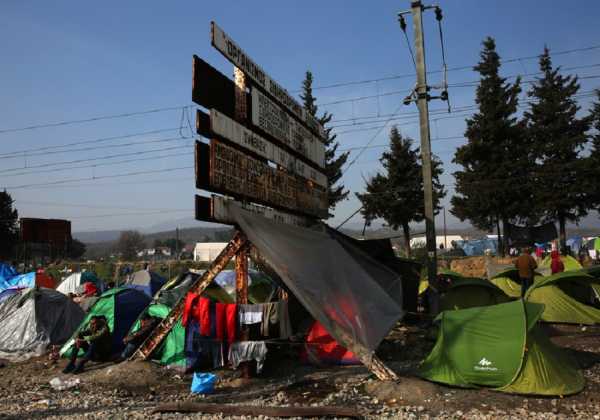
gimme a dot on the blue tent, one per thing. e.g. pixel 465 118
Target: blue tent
pixel 20 280
pixel 6 293
pixel 477 247
pixel 575 243
pixel 7 271
pixel 146 281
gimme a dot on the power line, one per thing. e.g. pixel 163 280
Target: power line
pixel 130 214
pixel 45 165
pixel 20 153
pixel 64 181
pixel 459 68
pixel 119 184
pixel 373 146
pixel 464 84
pixel 104 164
pixel 87 206
pixel 91 119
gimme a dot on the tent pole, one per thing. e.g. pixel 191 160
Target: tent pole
pixel 160 332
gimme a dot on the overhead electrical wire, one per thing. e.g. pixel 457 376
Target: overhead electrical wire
pixel 64 181
pixel 458 68
pixel 91 119
pixel 87 206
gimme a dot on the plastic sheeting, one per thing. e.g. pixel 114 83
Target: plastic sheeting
pixel 20 280
pixel 333 286
pixel 31 321
pixel 477 247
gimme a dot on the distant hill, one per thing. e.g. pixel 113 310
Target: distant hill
pixel 102 248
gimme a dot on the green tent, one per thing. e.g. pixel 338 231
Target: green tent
pixel 568 297
pixel 465 292
pixel 593 244
pixel 121 307
pixel 172 349
pixel 571 264
pixel 500 347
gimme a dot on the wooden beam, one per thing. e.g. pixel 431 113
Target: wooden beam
pixel 238 242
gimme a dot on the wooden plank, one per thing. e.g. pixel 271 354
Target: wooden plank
pixel 228 129
pixel 271 118
pixel 211 88
pixel 160 332
pixel 229 48
pixel 202 165
pixel 217 209
pixel 237 174
pixel 255 411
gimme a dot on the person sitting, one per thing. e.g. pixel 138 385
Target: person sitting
pixel 96 343
pixel 135 339
pixel 557 265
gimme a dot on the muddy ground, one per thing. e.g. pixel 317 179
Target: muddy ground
pixel 134 389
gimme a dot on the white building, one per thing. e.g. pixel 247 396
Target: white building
pixel 208 251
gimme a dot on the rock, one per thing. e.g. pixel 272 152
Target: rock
pixel 411 391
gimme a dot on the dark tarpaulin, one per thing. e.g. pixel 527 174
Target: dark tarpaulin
pixel 528 235
pixel 335 286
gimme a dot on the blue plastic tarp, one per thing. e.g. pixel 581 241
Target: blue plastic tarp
pixel 7 271
pixel 575 243
pixel 20 280
pixel 477 247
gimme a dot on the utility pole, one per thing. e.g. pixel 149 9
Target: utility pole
pixel 423 105
pixel 177 242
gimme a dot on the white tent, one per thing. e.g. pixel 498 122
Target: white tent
pixel 34 319
pixel 70 284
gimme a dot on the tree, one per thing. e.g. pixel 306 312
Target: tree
pixel 333 165
pixel 559 137
pixel 158 243
pixel 9 226
pixel 593 168
pixel 129 244
pixel 174 244
pixel 397 195
pixel 76 249
pixel 493 185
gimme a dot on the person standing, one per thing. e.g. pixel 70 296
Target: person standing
pixel 557 265
pixel 526 266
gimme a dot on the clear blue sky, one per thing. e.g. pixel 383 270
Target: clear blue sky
pixel 69 60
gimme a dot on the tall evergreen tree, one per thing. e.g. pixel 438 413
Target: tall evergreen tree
pixel 493 187
pixel 593 168
pixel 559 137
pixel 9 226
pixel 333 160
pixel 397 195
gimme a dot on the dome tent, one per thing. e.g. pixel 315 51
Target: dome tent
pixel 571 264
pixel 72 283
pixel 34 319
pixel 148 282
pixel 466 293
pixel 172 349
pixel 568 297
pixel 511 353
pixel 121 307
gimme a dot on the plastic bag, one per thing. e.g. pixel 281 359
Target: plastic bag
pixel 62 384
pixel 203 383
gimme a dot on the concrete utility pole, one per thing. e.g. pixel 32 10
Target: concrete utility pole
pixel 423 105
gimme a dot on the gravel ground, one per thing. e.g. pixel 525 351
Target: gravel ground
pixel 134 389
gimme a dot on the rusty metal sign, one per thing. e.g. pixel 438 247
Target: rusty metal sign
pixel 230 49
pixel 218 209
pixel 225 127
pixel 233 172
pixel 268 116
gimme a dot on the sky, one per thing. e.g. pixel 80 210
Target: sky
pixel 67 61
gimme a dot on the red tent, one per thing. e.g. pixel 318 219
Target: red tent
pixel 44 280
pixel 321 348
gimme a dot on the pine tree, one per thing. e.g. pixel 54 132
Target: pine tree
pixel 9 226
pixel 493 185
pixel 397 195
pixel 333 163
pixel 559 137
pixel 593 167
